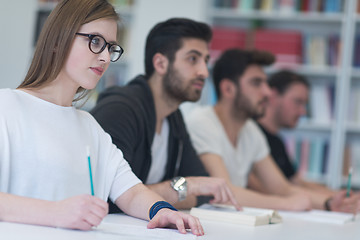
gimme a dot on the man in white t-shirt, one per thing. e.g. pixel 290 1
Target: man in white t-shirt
pixel 231 145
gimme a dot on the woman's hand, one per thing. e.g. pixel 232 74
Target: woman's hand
pixel 174 219
pixel 79 212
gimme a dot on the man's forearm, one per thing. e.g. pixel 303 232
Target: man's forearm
pixel 314 186
pixel 291 202
pixel 165 190
pixel 317 198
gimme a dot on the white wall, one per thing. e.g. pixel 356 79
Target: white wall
pixel 150 12
pixel 18 19
pixel 17 23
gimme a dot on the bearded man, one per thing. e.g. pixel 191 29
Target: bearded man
pixel 231 145
pixel 144 121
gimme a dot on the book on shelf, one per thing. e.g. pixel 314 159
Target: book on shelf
pixel 288 6
pixel 225 38
pixel 292 48
pixel 332 6
pixel 267 5
pixel 353 111
pixel 316 5
pixel 246 5
pixel 356 58
pixel 316 54
pixel 334 50
pixel 321 50
pixel 226 213
pixel 286 45
pixel 322 103
pixel 316 156
pixel 352 158
pixel 320 216
pixel 304 5
pixel 225 3
pixel 308 155
pixel 304 156
pixel 282 6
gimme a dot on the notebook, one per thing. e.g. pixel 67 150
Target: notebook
pixel 320 216
pixel 226 213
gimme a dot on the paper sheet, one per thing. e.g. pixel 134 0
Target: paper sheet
pixel 132 232
pixel 320 216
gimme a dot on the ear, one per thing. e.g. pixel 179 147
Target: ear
pixel 275 96
pixel 227 88
pixel 274 93
pixel 160 63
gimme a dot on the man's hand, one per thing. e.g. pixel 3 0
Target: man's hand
pixel 79 212
pixel 340 203
pixel 173 219
pixel 211 186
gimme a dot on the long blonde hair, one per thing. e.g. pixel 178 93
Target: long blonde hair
pixel 57 35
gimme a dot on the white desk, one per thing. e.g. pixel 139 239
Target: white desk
pixel 289 229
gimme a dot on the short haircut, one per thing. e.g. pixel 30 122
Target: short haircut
pixel 233 63
pixel 167 38
pixel 283 79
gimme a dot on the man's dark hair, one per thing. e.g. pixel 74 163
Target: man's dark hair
pixel 283 79
pixel 167 38
pixel 233 63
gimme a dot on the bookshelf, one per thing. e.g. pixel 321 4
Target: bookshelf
pixel 352 135
pixel 117 73
pixel 329 23
pixel 274 16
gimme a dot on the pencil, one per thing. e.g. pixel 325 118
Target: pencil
pixel 90 172
pixel 348 188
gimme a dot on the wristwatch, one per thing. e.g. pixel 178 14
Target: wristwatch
pixel 179 184
pixel 327 204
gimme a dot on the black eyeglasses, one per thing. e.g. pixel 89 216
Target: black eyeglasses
pixel 97 44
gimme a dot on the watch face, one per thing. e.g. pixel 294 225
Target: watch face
pixel 178 183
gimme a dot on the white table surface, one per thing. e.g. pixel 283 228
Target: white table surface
pixel 291 229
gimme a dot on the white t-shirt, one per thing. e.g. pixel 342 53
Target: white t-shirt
pixel 43 151
pixel 208 136
pixel 159 154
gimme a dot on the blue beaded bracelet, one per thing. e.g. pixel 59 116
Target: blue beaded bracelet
pixel 159 205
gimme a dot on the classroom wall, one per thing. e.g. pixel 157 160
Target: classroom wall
pixel 17 21
pixel 147 14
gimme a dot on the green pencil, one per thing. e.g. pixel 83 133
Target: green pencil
pixel 348 186
pixel 90 172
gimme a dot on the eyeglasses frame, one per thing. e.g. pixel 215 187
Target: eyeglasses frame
pixel 91 36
